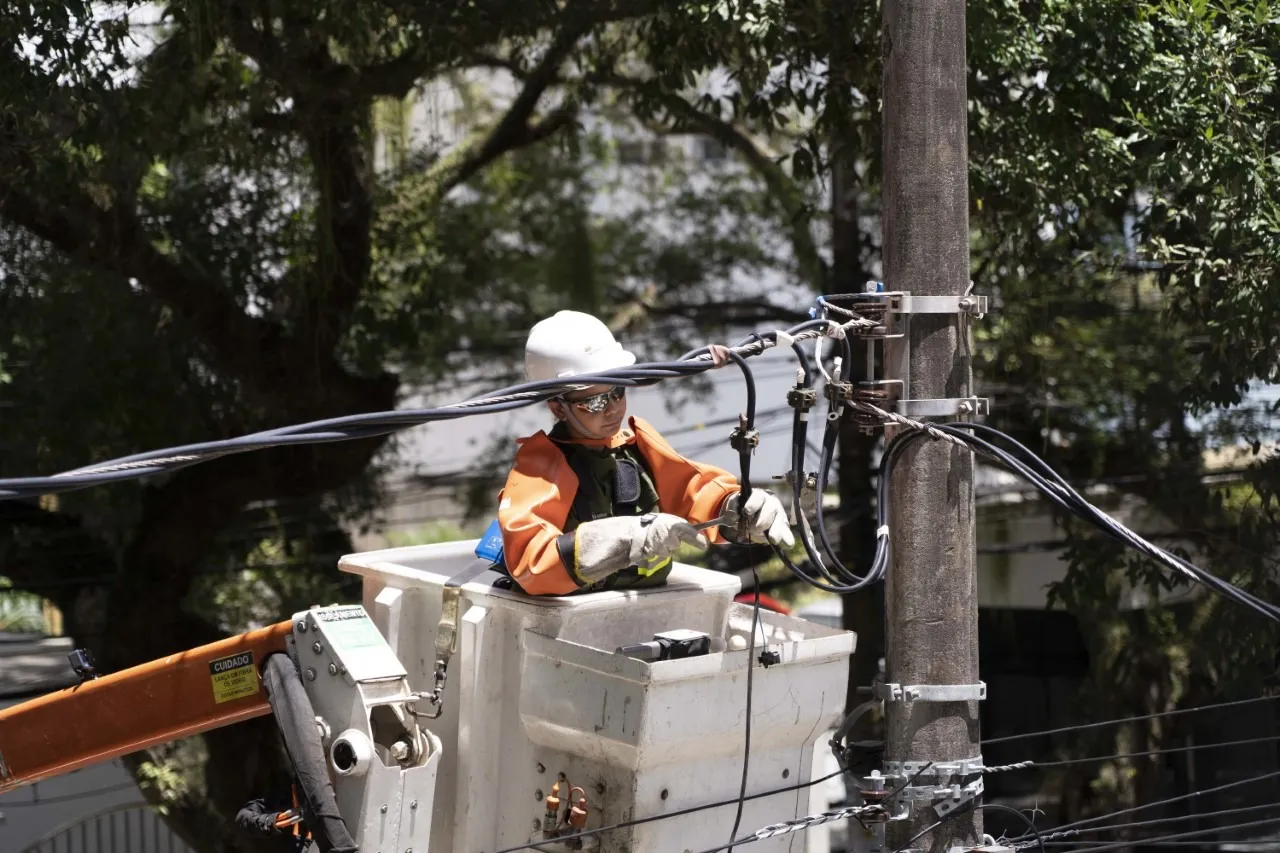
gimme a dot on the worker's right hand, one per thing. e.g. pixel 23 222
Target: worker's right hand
pixel 609 545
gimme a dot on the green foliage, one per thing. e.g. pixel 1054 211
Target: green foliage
pixel 20 611
pixel 194 243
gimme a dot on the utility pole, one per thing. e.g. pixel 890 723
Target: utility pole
pixel 931 587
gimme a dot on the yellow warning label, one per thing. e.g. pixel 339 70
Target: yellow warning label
pixel 233 677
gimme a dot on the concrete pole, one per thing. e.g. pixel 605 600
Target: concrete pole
pixel 931 588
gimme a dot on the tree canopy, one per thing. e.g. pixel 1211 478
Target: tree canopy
pixel 195 243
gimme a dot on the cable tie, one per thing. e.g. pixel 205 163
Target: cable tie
pixel 784 340
pixel 882 531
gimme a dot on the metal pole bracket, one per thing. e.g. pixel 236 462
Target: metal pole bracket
pixel 930 692
pixel 938 769
pixel 894 310
pixel 945 407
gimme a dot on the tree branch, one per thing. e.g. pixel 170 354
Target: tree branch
pixel 396 77
pixel 514 130
pixel 685 117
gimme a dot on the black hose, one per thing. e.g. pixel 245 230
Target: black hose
pixel 296 719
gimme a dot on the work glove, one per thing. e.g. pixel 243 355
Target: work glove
pixel 766 517
pixel 609 545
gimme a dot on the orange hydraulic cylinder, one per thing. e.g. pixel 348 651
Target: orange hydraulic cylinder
pixel 167 699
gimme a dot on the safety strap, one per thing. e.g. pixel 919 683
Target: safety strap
pixel 626 486
pixel 447 630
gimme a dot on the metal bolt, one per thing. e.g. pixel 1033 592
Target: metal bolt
pixel 965 407
pixel 383 809
pixel 537 795
pixel 301 627
pixel 541 768
pixel 310 674
pixel 413 805
pixel 400 750
pixel 317 647
pixel 333 669
pixel 967 302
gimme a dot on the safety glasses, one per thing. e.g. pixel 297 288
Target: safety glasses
pixel 597 403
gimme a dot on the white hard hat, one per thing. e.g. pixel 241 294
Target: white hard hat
pixel 571 343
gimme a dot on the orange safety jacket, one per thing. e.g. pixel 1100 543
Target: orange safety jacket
pixel 535 504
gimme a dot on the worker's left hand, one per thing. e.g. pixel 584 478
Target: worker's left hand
pixel 766 517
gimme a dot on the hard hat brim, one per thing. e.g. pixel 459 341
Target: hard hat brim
pixel 619 358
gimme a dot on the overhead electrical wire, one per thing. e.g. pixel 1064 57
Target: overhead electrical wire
pixel 1057 834
pixel 1122 720
pixel 368 425
pixel 1025 463
pixel 1217 789
pixel 1136 842
pixel 1066 762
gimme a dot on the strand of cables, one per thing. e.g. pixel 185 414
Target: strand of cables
pixel 375 424
pixel 979 438
pixel 829 573
pixel 982 439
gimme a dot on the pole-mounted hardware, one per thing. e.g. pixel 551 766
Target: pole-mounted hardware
pixel 893 311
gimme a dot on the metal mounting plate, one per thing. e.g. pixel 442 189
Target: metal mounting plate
pixel 931 692
pixel 971 304
pixel 938 770
pixel 946 407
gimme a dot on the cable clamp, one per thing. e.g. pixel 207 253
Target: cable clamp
pixel 936 769
pixel 802 398
pixel 930 692
pixel 744 439
pixel 838 394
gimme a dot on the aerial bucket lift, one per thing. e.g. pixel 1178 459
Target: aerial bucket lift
pixel 449 711
pixel 539 694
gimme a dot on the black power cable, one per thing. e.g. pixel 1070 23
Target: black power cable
pixel 1026 464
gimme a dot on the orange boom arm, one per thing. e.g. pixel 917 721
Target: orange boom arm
pixel 164 700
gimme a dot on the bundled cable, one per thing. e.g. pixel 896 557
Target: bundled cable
pixel 1020 460
pixel 375 424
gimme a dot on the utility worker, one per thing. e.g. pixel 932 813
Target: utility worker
pixel 601 501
